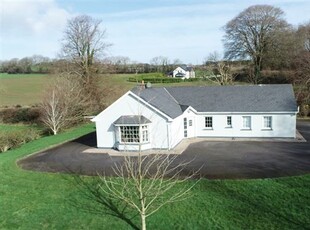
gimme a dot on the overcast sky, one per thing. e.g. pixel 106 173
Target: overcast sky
pixel 139 29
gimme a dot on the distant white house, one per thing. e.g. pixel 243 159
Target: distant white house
pixel 159 118
pixel 183 72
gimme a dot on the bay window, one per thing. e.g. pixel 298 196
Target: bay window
pixel 132 129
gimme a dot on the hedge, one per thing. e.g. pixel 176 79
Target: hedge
pixel 161 79
pixel 17 115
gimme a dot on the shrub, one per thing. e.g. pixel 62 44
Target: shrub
pixel 13 139
pixel 17 115
pixel 9 140
pixel 304 110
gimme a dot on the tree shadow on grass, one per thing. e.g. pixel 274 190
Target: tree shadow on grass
pixel 91 199
pixel 260 206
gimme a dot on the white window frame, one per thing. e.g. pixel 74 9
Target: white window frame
pixel 208 127
pixel 246 122
pixel 143 134
pixel 267 122
pixel 185 126
pixel 228 125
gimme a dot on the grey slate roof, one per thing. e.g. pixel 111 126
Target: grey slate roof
pixel 259 98
pixel 131 120
pixel 187 68
pixel 160 99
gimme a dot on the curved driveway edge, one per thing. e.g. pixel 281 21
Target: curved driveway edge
pixel 217 159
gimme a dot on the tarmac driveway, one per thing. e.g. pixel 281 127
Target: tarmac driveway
pixel 229 159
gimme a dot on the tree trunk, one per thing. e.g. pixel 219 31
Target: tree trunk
pixel 257 70
pixel 143 222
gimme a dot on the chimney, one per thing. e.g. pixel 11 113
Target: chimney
pixel 142 85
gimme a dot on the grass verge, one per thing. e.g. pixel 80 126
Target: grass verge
pixel 34 200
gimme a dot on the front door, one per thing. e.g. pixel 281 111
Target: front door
pixel 190 127
pixel 188 124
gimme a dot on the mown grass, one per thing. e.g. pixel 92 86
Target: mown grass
pixel 34 200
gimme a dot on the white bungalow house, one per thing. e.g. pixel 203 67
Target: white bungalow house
pixel 159 118
pixel 184 72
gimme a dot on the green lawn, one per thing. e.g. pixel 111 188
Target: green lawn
pixel 33 200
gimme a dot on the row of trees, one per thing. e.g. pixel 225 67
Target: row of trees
pixel 33 64
pixel 122 64
pixel 113 64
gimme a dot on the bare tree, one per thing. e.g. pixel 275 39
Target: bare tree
pixel 300 64
pixel 303 36
pixel 280 54
pixel 63 103
pixel 219 71
pixel 148 182
pixel 252 32
pixel 25 64
pixel 161 63
pixel 38 59
pixel 302 79
pixel 83 42
pixel 120 63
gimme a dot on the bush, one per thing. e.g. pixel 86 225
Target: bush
pixel 17 115
pixel 304 110
pixel 13 139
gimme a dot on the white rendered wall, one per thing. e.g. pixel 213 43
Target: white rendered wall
pixel 180 70
pixel 176 131
pixel 177 127
pixel 128 105
pixel 283 125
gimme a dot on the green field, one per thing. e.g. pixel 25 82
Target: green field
pixel 21 89
pixel 27 89
pixel 34 200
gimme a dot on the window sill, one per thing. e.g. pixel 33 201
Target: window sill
pixel 208 129
pixel 228 127
pixel 246 129
pixel 266 129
